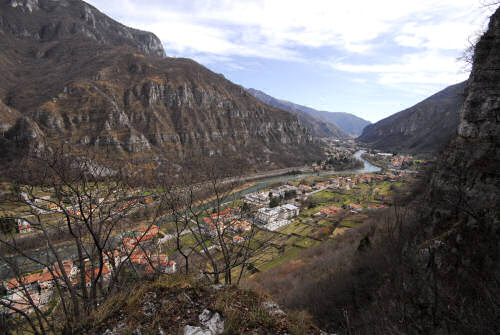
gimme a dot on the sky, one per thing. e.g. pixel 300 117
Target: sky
pixel 365 57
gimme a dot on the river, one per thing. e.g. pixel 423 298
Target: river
pixel 264 183
pixel 67 251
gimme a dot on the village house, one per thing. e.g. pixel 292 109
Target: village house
pixel 328 212
pixel 219 221
pixel 282 190
pixel 145 236
pixel 16 292
pixel 105 275
pixel 240 226
pixel 147 200
pixel 153 263
pixel 24 226
pixel 305 188
pixel 260 198
pixel 238 239
pixel 322 185
pixel 226 215
pixel 38 285
pixel 355 208
pixel 208 227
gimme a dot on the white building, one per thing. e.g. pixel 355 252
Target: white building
pixel 280 191
pixel 274 218
pixel 261 198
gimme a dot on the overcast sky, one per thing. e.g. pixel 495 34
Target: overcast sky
pixel 371 58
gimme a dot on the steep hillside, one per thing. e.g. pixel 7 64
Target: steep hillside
pixel 348 123
pixel 319 128
pixel 74 75
pixel 426 127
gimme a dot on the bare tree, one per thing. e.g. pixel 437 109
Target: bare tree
pixel 92 203
pixel 211 232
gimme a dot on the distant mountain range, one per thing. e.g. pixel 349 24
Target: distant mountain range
pixel 424 128
pixel 71 74
pixel 323 124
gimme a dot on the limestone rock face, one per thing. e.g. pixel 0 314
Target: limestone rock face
pixel 83 79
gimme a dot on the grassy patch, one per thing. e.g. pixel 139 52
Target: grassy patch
pixel 290 253
pixel 349 224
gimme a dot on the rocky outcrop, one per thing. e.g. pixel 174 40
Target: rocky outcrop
pixel 184 308
pixel 426 127
pixel 8 117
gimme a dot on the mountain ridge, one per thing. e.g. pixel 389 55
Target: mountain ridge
pixel 319 128
pixel 348 123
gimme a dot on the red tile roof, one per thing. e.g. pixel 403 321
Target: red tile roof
pixel 88 275
pixel 26 280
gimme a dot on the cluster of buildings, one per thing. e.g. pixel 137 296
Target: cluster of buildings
pixel 392 161
pixel 40 286
pixel 46 205
pixel 264 198
pixel 353 209
pixel 258 198
pixel 277 217
pixel 329 212
pixel 400 162
pixel 347 183
pixel 283 191
pixel 335 153
pixel 144 236
pixel 228 219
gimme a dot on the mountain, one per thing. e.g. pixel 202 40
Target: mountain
pixel 73 75
pixel 347 123
pixel 426 127
pixel 318 127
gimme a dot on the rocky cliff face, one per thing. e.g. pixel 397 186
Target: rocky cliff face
pixel 75 76
pixel 426 127
pixel 465 202
pixel 49 20
pixel 471 164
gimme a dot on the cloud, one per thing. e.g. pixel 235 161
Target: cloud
pixel 428 67
pixel 443 35
pixel 275 28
